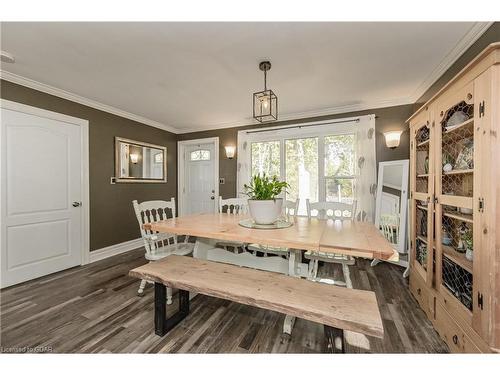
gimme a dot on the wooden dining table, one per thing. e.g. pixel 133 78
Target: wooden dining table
pixel 357 239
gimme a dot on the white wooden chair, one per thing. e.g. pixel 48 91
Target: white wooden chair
pixel 233 206
pixel 290 209
pixel 333 211
pixel 159 245
pixel 389 224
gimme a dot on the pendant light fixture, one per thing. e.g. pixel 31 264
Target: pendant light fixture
pixel 265 103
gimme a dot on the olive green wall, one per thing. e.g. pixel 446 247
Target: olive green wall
pixel 390 118
pixel 112 217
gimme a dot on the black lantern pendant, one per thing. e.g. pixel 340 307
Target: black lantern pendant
pixel 265 103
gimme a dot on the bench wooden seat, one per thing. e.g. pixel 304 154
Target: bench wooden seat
pixel 336 308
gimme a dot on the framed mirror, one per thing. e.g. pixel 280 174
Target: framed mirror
pixel 391 211
pixel 139 162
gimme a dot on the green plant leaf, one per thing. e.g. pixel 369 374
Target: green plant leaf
pixel 265 188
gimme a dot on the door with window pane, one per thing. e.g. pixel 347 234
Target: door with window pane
pixel 339 168
pixel 301 170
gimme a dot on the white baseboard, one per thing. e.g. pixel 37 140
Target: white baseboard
pixel 116 249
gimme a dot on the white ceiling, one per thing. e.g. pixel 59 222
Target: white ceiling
pixel 194 76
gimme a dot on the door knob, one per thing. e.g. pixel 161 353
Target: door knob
pixel 212 197
pixel 77 204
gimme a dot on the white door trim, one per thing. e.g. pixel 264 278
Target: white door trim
pixel 181 180
pixel 84 128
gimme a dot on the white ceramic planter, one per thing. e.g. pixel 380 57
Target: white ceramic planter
pixel 265 212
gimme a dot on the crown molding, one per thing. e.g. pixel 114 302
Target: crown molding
pixel 343 109
pixel 39 86
pixel 469 38
pixel 478 29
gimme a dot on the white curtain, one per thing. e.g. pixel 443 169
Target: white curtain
pixel 366 182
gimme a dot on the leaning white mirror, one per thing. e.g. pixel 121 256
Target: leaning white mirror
pixel 139 162
pixel 391 209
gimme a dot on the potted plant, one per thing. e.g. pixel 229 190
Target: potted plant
pixel 263 204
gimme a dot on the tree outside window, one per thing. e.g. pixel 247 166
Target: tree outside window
pixel 265 158
pixel 339 168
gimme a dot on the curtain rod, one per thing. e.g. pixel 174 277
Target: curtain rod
pixel 302 126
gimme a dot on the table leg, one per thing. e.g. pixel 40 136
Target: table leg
pixel 288 324
pixel 294 261
pixel 347 275
pixel 202 246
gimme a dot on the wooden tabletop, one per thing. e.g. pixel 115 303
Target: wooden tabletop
pixel 351 238
pixel 326 304
pixel 356 239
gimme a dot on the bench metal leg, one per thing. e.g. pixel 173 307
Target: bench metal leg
pixel 334 340
pixel 162 324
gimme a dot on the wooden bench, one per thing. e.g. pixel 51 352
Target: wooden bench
pixel 335 307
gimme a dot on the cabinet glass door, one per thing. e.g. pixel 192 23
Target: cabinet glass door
pixel 455 131
pixel 422 158
pixel 454 192
pixel 422 238
pixel 422 184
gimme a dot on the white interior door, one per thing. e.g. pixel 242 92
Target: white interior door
pixel 41 195
pixel 199 188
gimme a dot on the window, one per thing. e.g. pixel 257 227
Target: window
pixel 265 158
pixel 339 168
pixel 318 160
pixel 200 155
pixel 328 177
pixel 301 170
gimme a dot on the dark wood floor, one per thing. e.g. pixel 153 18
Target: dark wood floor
pixel 95 309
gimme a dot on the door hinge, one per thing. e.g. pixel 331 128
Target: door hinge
pixel 411 194
pixel 411 145
pixel 480 300
pixel 481 109
pixel 435 200
pixel 481 205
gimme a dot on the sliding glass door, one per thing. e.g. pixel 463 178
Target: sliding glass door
pixel 339 168
pixel 327 161
pixel 318 168
pixel 265 157
pixel 301 170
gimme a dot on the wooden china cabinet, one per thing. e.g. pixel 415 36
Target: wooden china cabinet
pixel 455 206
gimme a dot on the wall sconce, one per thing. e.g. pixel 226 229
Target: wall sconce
pixel 134 158
pixel 392 138
pixel 230 150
